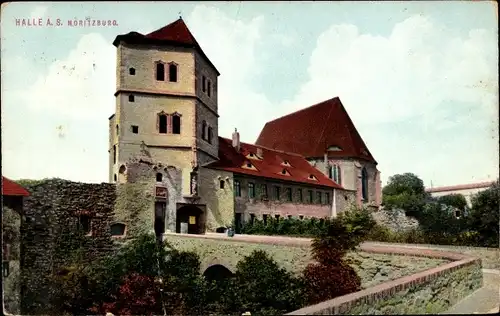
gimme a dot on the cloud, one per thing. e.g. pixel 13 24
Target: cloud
pixel 80 86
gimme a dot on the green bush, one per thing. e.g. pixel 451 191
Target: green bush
pixel 484 216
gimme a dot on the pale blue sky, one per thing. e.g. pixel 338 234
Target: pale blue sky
pixel 419 79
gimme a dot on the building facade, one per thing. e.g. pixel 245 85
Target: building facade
pixel 164 135
pixel 467 190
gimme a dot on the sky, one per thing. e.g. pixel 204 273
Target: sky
pixel 419 79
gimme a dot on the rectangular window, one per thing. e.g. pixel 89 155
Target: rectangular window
pixel 209 88
pixel 300 197
pixel 114 154
pixel 221 184
pixel 84 223
pixel 310 192
pixel 251 190
pixel 204 83
pixel 264 191
pixel 277 193
pixel 289 194
pixel 318 197
pixel 252 218
pixel 327 198
pixel 135 129
pixel 163 124
pixel 277 217
pixel 237 188
pixel 264 219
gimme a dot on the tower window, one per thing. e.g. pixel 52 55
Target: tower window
pixel 117 229
pixel 135 129
pixel 131 98
pixel 162 128
pixel 221 184
pixel 114 155
pixel 160 71
pixel 176 124
pixel 203 130
pixel 159 177
pixel 204 83
pixel 117 130
pixel 84 223
pixel 209 87
pixel 210 135
pixel 131 71
pixel 172 72
pixel 115 177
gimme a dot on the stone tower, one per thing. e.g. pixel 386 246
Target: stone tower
pixel 166 100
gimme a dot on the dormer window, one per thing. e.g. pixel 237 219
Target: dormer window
pixel 312 177
pixel 253 156
pixel 285 163
pixel 160 71
pixel 249 165
pixel 334 148
pixel 172 72
pixel 284 172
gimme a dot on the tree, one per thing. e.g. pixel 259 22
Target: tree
pixel 456 200
pixel 483 216
pixel 405 191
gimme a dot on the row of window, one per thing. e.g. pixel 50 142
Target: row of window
pixel 207 133
pixel 160 71
pixel 335 174
pixel 84 224
pixel 277 195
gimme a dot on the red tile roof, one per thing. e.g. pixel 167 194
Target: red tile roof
pixel 270 166
pixel 10 188
pixel 310 131
pixel 175 33
pixel 480 185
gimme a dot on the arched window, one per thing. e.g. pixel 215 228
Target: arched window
pixel 159 177
pixel 160 71
pixel 334 173
pixel 162 124
pixel 172 72
pixel 204 130
pixel 364 184
pixel 176 124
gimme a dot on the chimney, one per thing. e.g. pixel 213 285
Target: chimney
pixel 236 140
pixel 260 154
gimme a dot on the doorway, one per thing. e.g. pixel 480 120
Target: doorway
pixel 190 220
pixel 160 217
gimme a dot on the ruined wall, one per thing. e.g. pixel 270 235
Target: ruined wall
pixel 52 212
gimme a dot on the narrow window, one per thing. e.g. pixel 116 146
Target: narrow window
pixel 310 196
pixel 364 184
pixel 221 184
pixel 251 190
pixel 176 124
pixel 131 98
pixel 327 198
pixel 115 177
pixel 237 188
pixel 159 177
pixel 117 229
pixel 172 73
pixel 264 191
pixel 160 72
pixel 289 194
pixel 117 130
pixel 339 175
pixel 264 219
pixel 209 88
pixel 135 129
pixel 163 124
pixel 204 84
pixel 131 71
pixel 330 172
pixel 277 193
pixel 203 130
pixel 318 197
pixel 277 217
pixel 114 154
pixel 252 218
pixel 84 223
pixel 210 135
pixel 300 197
pixel 6 270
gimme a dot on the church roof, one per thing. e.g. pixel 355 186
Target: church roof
pixel 10 188
pixel 176 34
pixel 272 164
pixel 313 131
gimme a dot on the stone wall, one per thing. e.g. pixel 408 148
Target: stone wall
pixel 52 211
pixel 395 220
pixel 429 292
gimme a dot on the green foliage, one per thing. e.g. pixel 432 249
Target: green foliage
pixel 455 200
pixel 11 234
pixel 484 216
pixel 131 205
pixel 405 191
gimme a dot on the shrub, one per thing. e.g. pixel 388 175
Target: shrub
pixel 484 217
pixel 405 191
pixel 455 200
pixel 359 222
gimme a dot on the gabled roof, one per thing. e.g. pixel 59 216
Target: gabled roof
pixel 311 131
pixel 10 188
pixel 271 164
pixel 175 34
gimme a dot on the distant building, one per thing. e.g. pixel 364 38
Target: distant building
pixel 467 190
pixel 311 163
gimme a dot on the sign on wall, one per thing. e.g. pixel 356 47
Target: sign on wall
pixel 192 220
pixel 161 192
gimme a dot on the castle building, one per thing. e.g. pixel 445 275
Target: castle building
pixel 311 163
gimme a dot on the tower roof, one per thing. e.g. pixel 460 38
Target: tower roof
pixel 315 130
pixel 175 34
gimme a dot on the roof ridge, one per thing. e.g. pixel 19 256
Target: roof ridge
pixel 301 110
pixel 268 148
